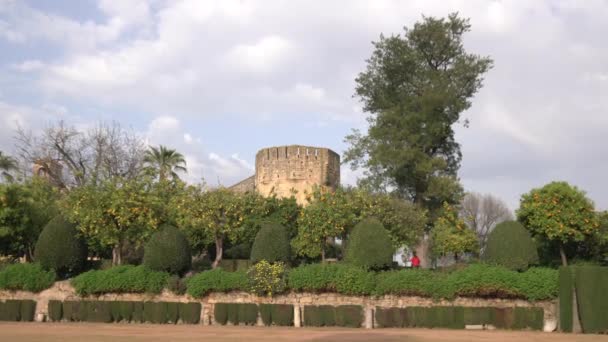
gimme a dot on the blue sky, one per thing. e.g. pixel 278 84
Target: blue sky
pixel 219 80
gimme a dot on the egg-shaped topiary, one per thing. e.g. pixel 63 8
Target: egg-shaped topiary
pixel 168 250
pixel 60 248
pixel 369 246
pixel 271 244
pixel 510 245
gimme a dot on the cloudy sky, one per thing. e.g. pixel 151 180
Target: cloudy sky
pixel 218 80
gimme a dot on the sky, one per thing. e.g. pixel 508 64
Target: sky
pixel 218 80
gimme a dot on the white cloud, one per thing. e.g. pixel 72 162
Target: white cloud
pixel 263 56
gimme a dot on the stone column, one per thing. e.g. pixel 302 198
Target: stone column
pixel 369 317
pixel 297 321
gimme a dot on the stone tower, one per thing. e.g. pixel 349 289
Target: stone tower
pixel 284 169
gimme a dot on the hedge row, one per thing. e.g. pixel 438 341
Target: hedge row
pixel 456 317
pixel 247 314
pixel 26 277
pixel 216 280
pixel 120 279
pixel 589 283
pixel 119 311
pixel 329 316
pixel 17 310
pixel 277 314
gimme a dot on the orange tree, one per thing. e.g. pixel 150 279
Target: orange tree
pixel 114 213
pixel 450 235
pixel 559 212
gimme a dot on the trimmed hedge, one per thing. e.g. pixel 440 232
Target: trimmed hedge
pixel 349 316
pixel 276 314
pixel 120 279
pixel 216 280
pixel 566 284
pixel 591 284
pixel 26 277
pixel 369 246
pixel 510 245
pixel 17 310
pixel 117 311
pixel 236 313
pixel 168 250
pixel 60 248
pixel 341 278
pixel 456 317
pixel 329 316
pixel 271 244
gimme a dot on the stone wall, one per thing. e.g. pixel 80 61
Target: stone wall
pixel 64 291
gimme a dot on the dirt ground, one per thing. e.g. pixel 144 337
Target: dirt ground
pixel 67 332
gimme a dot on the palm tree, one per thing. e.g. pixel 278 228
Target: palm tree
pixel 164 162
pixel 7 164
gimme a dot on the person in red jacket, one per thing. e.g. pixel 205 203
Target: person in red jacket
pixel 415 261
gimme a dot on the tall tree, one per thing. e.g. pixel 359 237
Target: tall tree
pixel 7 165
pixel 452 236
pixel 559 212
pixel 415 88
pixel 164 162
pixel 482 213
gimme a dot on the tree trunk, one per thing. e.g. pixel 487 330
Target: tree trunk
pixel 323 254
pixel 116 255
pixel 219 250
pixel 562 253
pixel 29 254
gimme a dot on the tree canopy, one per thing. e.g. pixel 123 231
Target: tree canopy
pixel 164 162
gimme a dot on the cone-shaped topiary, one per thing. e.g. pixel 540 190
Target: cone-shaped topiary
pixel 511 246
pixel 369 246
pixel 60 248
pixel 271 244
pixel 168 250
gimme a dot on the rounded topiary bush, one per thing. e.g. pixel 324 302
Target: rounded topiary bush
pixel 60 248
pixel 510 245
pixel 168 250
pixel 369 246
pixel 271 244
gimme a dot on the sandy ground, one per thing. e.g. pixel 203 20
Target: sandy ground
pixel 66 332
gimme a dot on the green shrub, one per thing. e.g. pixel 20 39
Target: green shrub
pixel 266 314
pixel 26 277
pixel 120 279
pixel 282 314
pixel 216 281
pixel 115 311
pixel 28 310
pixel 55 312
pixel 11 310
pixel 240 251
pixel 528 318
pixel 233 313
pixel 99 311
pixel 510 245
pixel 247 313
pixel 345 279
pixel 266 279
pixel 59 248
pixel 172 312
pixel 168 250
pixel 220 313
pixel 155 312
pixel 369 246
pixel 312 316
pixel 126 311
pixel 138 312
pixel 391 317
pixel 415 282
pixel 271 244
pixel 591 285
pixel 349 316
pixel 190 313
pixel 478 315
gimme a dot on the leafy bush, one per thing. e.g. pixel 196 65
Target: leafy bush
pixel 120 279
pixel 339 278
pixel 266 279
pixel 26 277
pixel 168 250
pixel 216 281
pixel 510 245
pixel 271 244
pixel 369 246
pixel 59 248
pixel 277 314
pixel 349 316
pixel 54 309
pixel 415 282
pixel 190 313
pixel 176 285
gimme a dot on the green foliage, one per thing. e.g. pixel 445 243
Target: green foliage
pixel 415 282
pixel 68 311
pixel 266 279
pixel 271 244
pixel 592 298
pixel 528 318
pixel 277 314
pixel 314 316
pixel 99 311
pixel 176 285
pixel 138 312
pixel 126 310
pixel 25 208
pixel 216 281
pixel 164 162
pixel 59 248
pixel 235 265
pixel 349 316
pixel 172 312
pixel 115 212
pixel 478 315
pixel 369 246
pixel 54 309
pixel 155 312
pixel 190 313
pixel 220 313
pixel 559 212
pixel 120 279
pixel 115 311
pixel 168 250
pixel 511 246
pixel 236 313
pixel 391 317
pixel 247 313
pixel 11 310
pixel 26 277
pixel 339 278
pixel 415 87
pixel 450 235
